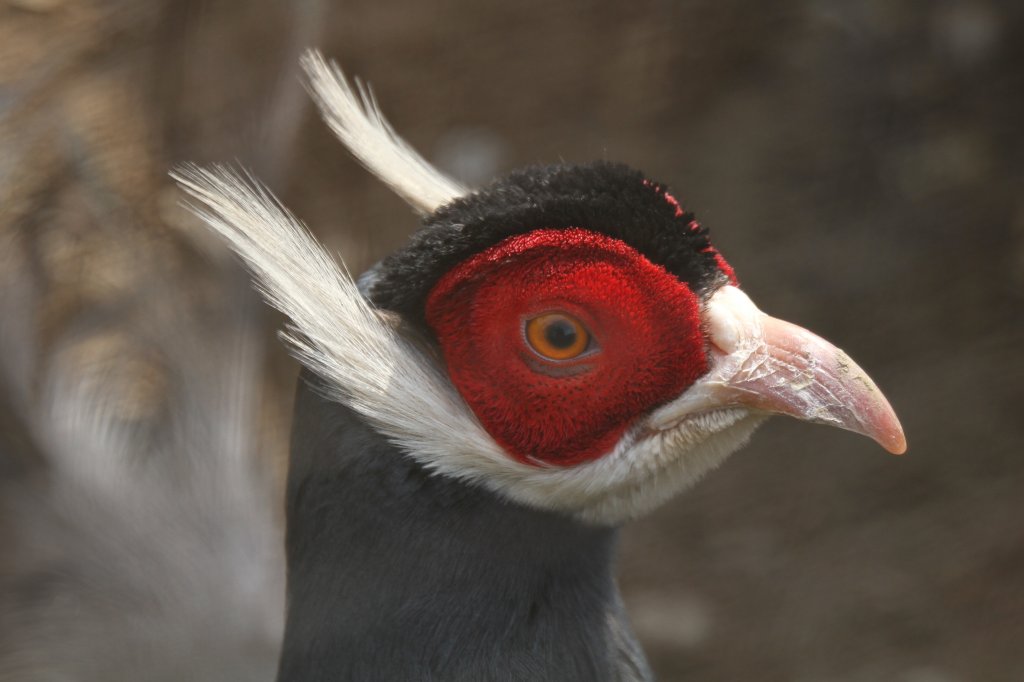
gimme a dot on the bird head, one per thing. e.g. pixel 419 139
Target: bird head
pixel 566 336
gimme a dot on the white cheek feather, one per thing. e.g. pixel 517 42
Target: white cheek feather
pixel 651 470
pixel 334 331
pixel 404 395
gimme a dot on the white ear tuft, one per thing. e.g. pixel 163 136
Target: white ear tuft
pixel 356 119
pixel 332 324
pixel 334 331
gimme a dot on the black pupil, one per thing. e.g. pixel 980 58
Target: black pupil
pixel 561 334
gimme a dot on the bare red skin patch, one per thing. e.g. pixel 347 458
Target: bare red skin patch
pixel 646 347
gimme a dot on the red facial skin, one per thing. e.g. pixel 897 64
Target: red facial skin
pixel 646 343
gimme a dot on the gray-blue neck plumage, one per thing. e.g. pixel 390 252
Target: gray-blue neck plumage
pixel 394 574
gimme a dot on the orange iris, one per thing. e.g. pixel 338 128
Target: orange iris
pixel 557 336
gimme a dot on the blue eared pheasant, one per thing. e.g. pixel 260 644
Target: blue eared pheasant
pixel 549 356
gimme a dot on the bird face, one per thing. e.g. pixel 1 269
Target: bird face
pixel 603 343
pixel 559 339
pixel 567 336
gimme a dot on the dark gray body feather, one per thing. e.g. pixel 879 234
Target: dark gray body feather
pixel 395 574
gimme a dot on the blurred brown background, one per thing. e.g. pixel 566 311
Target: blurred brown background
pixel 860 164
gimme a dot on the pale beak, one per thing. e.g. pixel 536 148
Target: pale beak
pixel 768 365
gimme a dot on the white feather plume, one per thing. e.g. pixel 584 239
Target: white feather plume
pixel 334 330
pixel 353 115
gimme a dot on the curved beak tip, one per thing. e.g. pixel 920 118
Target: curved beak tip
pixel 866 411
pixel 873 416
pixel 895 442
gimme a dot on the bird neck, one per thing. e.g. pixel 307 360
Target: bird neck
pixel 395 573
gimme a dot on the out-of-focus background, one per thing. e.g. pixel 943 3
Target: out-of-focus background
pixel 860 164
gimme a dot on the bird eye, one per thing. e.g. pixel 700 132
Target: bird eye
pixel 557 336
